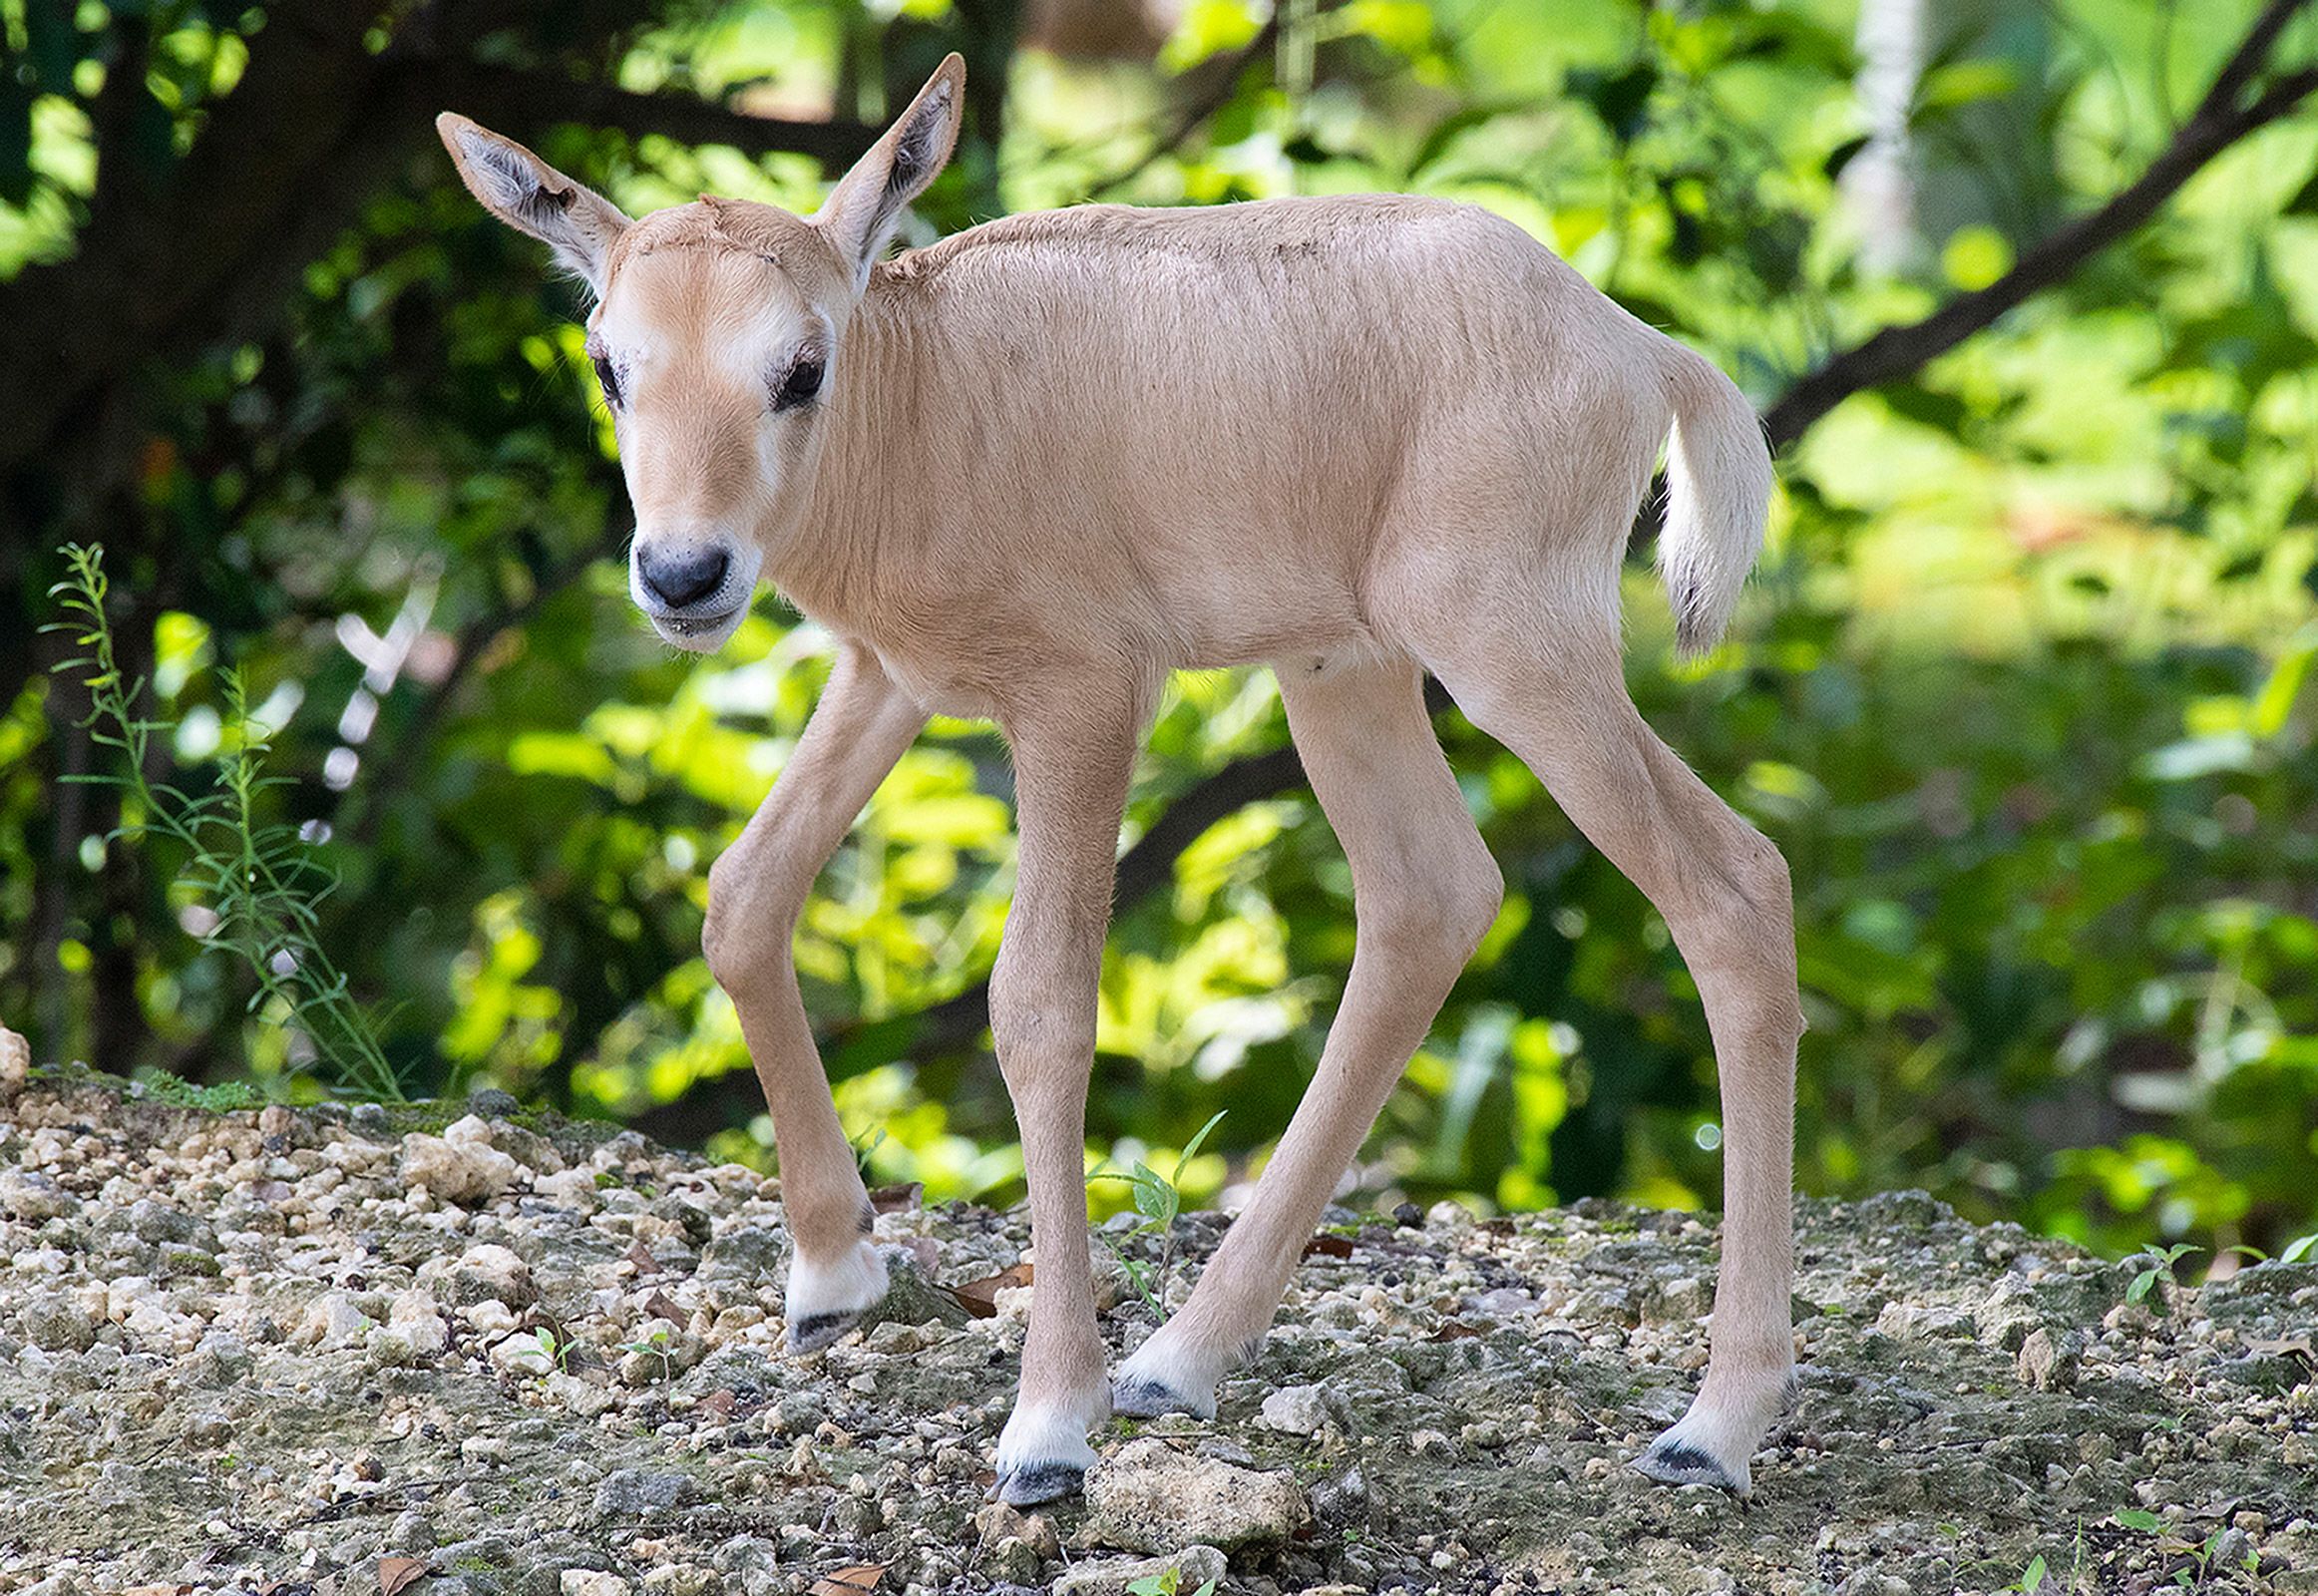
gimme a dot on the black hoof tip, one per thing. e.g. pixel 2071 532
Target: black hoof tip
pixel 816 1331
pixel 1684 1465
pixel 1033 1483
pixel 1147 1398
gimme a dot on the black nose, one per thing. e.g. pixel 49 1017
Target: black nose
pixel 681 580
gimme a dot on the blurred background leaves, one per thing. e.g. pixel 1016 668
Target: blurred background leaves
pixel 2022 690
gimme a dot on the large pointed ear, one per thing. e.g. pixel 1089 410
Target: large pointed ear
pixel 532 197
pixel 863 210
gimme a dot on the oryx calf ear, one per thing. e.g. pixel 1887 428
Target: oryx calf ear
pixel 862 211
pixel 529 196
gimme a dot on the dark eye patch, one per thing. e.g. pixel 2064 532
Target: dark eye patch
pixel 799 384
pixel 608 376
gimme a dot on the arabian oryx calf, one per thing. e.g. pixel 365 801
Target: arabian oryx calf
pixel 1025 473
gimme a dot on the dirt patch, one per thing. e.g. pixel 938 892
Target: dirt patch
pixel 294 1353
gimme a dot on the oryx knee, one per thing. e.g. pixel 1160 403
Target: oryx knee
pixel 1036 1016
pixel 1429 915
pixel 752 913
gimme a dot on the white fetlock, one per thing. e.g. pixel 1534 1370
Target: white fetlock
pixel 1043 1453
pixel 825 1299
pixel 1714 1442
pixel 1167 1376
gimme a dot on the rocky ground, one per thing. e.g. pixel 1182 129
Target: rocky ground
pixel 331 1353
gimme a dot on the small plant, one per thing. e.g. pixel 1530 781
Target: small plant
pixel 1167 1582
pixel 555 1350
pixel 225 1097
pixel 2031 1578
pixel 1159 1200
pixel 654 1346
pixel 2296 1251
pixel 262 885
pixel 2146 1282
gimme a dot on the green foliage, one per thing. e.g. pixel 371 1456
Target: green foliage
pixel 1158 1202
pixel 1167 1582
pixel 2145 1282
pixel 2023 691
pixel 255 889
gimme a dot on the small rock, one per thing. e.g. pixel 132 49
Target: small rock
pixel 491 1103
pixel 1193 1567
pixel 1148 1497
pixel 522 1353
pixel 483 1449
pixel 1013 1560
pixel 459 1166
pixel 662 1354
pixel 1295 1409
pixel 583 1398
pixel 412 1317
pixel 640 1494
pixel 681 1579
pixel 1913 1322
pixel 592 1582
pixel 34 1198
pixel 2050 1361
pixel 751 1564
pixel 912 1298
pixel 998 1521
pixel 492 1272
pixel 334 1319
pixel 56 1324
pixel 756 1254
pixel 15 1063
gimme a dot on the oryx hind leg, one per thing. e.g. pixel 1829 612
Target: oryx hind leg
pixel 1424 889
pixel 1549 686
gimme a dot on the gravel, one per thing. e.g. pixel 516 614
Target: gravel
pixel 318 1352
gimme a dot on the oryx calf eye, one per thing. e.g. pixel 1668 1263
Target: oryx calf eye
pixel 608 377
pixel 801 383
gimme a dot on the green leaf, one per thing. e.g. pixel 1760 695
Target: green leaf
pixel 2032 1576
pixel 1192 1146
pixel 2141 1519
pixel 1620 99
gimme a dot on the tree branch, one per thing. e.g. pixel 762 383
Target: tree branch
pixel 2221 118
pixel 1222 84
pixel 524 103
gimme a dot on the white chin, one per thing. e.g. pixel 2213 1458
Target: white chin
pixel 699 637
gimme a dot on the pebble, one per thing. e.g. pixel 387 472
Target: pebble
pixel 638 1494
pixel 1296 1410
pixel 592 1582
pixel 459 1166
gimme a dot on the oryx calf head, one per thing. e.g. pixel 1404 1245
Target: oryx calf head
pixel 718 336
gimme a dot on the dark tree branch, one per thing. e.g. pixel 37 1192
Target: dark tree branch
pixel 524 103
pixel 1223 82
pixel 2221 118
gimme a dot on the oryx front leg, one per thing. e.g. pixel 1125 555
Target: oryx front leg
pixel 1071 763
pixel 755 893
pixel 1424 889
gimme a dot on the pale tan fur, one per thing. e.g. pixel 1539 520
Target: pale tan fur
pixel 1057 456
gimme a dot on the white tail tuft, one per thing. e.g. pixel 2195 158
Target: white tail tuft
pixel 1718 492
